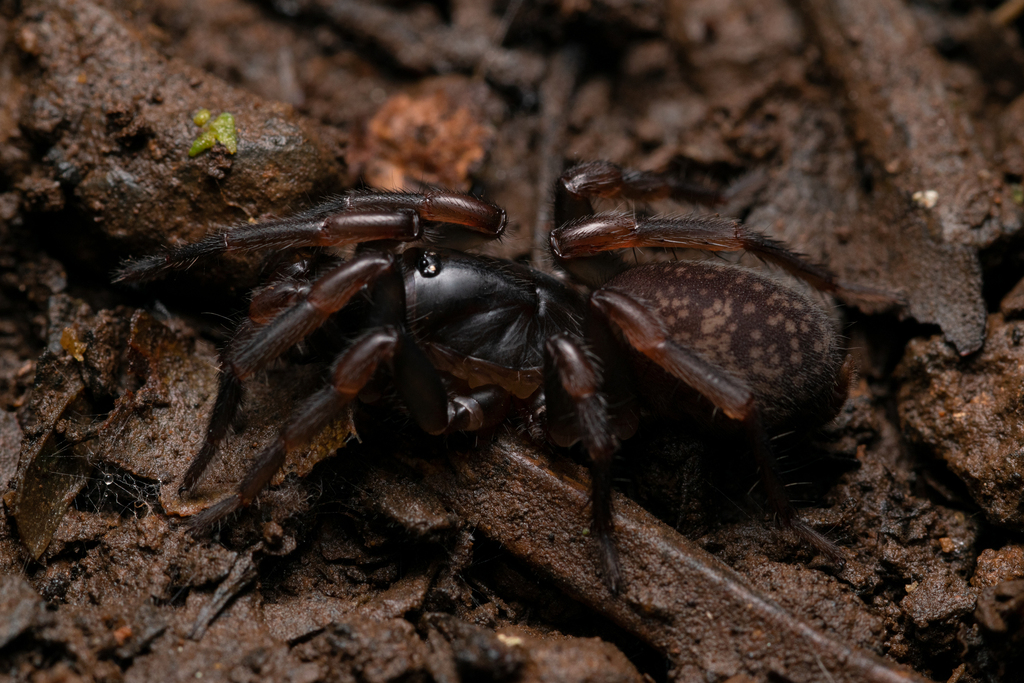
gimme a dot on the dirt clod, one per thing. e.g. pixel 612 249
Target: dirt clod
pixel 970 414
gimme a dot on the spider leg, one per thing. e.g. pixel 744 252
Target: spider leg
pixel 779 501
pixel 644 332
pixel 317 228
pixel 418 383
pixel 350 219
pixel 615 230
pixel 582 182
pixel 350 373
pixel 256 345
pixel 287 286
pixel 439 206
pixel 576 410
pixel 328 295
pixel 225 407
pixel 423 393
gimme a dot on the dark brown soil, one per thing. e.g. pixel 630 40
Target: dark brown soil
pixel 879 137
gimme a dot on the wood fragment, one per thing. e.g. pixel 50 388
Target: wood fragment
pixel 700 613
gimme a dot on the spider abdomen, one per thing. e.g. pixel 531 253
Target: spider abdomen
pixel 772 338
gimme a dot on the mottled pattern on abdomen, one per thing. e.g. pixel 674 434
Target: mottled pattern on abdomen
pixel 779 342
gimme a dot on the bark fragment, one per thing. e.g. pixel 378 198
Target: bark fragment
pixel 934 191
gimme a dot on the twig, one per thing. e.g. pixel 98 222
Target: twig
pixel 556 94
pixel 677 597
pixel 433 47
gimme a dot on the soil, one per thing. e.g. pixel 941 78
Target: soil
pixel 880 138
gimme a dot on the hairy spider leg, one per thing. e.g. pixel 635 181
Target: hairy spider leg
pixel 776 492
pixel 418 383
pixel 287 286
pixel 610 231
pixel 616 230
pixel 328 295
pixel 350 219
pixel 257 345
pixel 351 372
pixel 319 228
pixel 644 332
pixel 573 393
pixel 582 182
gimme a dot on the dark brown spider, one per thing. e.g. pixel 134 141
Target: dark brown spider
pixel 470 339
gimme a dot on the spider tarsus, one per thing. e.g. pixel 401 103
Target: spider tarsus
pixel 830 550
pixel 611 568
pixel 140 270
pixel 197 467
pixel 202 523
pixel 157 265
pixel 229 397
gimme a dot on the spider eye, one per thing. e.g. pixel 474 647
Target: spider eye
pixel 429 264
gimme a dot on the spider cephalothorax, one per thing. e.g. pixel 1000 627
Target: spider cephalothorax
pixel 470 340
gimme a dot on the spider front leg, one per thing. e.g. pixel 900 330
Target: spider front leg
pixel 350 219
pixel 323 227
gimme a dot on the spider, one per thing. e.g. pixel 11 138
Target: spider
pixel 470 339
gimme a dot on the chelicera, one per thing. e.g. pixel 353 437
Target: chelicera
pixel 469 340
